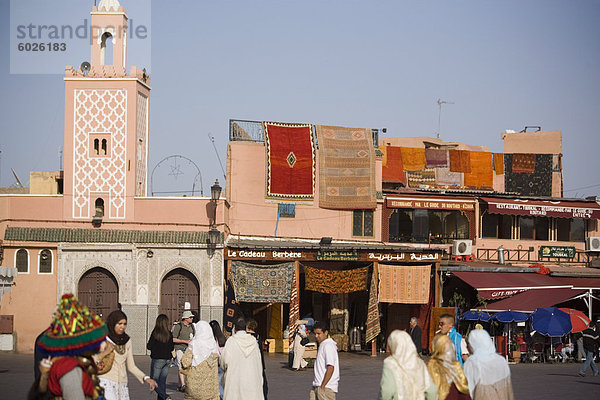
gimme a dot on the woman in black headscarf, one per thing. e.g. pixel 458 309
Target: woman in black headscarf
pixel 114 381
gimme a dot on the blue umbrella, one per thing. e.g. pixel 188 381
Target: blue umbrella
pixel 476 315
pixel 551 321
pixel 510 316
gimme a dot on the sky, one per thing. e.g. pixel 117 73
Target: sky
pixel 366 64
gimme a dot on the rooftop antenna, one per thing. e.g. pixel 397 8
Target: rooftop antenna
pixel 19 184
pixel 440 102
pixel 60 158
pixel 212 140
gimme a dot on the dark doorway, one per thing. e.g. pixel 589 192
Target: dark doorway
pixel 98 290
pixel 176 288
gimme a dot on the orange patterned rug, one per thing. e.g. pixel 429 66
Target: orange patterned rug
pixel 334 281
pixel 346 168
pixel 407 284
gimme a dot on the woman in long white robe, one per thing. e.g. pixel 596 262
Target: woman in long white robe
pixel 298 349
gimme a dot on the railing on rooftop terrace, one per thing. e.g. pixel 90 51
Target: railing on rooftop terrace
pixel 522 255
pixel 252 131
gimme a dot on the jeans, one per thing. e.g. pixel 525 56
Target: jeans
pixel 589 360
pixel 221 373
pixel 159 369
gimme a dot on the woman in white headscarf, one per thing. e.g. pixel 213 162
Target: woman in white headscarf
pixel 201 364
pixel 298 349
pixel 487 372
pixel 405 375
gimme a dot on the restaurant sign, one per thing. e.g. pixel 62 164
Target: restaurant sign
pixel 557 251
pixel 430 204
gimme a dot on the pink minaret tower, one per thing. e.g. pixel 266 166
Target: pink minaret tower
pixel 106 125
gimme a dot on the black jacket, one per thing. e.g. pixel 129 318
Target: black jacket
pixel 590 340
pixel 415 335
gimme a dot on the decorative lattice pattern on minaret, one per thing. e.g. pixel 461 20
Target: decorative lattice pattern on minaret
pixel 99 111
pixel 141 143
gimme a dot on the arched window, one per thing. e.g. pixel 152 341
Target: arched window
pixel 99 207
pixel 401 226
pixel 103 152
pixel 22 261
pixel 45 262
pixel 106 49
pixel 96 146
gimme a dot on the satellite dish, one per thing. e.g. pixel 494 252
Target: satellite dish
pixel 19 184
pixel 85 67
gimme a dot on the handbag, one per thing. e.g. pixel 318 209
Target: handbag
pixel 106 363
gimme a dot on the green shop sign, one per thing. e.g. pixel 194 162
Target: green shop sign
pixel 557 251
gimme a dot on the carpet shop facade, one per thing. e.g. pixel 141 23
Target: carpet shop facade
pixel 363 289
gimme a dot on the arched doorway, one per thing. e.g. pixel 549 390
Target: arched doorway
pixel 99 291
pixel 176 288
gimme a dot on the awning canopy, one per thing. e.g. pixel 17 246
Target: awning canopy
pixel 581 283
pixel 531 300
pixel 540 208
pixel 496 285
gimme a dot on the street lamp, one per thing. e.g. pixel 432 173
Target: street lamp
pixel 214 234
pixel 215 192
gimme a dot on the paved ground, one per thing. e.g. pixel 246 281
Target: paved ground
pixel 360 379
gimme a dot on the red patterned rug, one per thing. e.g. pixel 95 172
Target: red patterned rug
pixel 290 161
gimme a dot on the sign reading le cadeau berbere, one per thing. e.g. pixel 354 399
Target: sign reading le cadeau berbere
pixel 331 255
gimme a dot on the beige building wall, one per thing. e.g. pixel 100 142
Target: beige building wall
pixel 251 214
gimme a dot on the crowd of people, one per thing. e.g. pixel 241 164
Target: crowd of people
pixel 81 357
pixel 458 369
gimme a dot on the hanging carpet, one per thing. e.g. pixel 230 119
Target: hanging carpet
pixel 523 163
pixel 326 281
pixel 407 284
pixel 392 167
pixel 346 168
pixel 499 163
pixel 445 177
pixel 413 158
pixel 423 177
pixel 460 160
pixel 230 305
pixel 290 161
pixel 537 183
pixel 373 327
pixel 481 174
pixel 294 308
pixel 262 283
pixel 435 158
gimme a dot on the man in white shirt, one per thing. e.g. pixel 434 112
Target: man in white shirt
pixel 327 365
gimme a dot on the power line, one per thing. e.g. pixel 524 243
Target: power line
pixel 584 187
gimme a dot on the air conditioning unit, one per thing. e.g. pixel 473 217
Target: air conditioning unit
pixel 592 244
pixel 462 247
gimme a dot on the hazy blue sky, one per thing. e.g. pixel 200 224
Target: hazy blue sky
pixel 505 64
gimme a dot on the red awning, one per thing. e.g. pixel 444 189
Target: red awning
pixel 530 300
pixel 539 208
pixel 496 285
pixel 581 283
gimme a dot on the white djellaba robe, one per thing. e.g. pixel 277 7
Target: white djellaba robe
pixel 242 364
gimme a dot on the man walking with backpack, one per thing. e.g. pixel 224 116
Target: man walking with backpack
pixel 183 332
pixel 590 346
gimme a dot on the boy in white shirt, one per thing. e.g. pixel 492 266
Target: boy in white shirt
pixel 327 365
